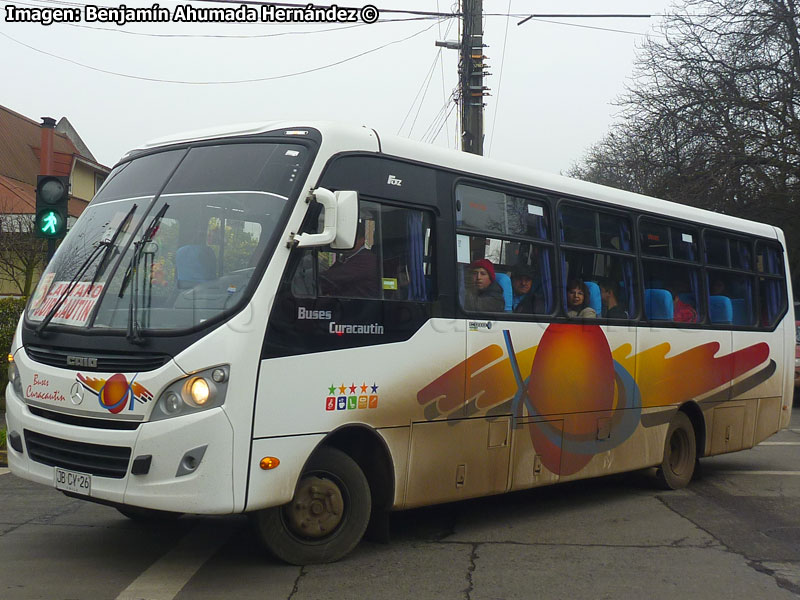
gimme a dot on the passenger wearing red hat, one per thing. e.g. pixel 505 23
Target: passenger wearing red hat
pixel 483 292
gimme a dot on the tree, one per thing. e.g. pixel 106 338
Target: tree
pixel 22 254
pixel 711 118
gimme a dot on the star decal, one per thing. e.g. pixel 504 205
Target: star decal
pixel 374 389
pixel 332 390
pixel 364 387
pixel 342 388
pixel 353 388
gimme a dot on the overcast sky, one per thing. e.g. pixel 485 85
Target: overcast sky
pixel 552 102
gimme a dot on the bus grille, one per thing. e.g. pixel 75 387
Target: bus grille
pixel 84 421
pixel 106 362
pixel 104 461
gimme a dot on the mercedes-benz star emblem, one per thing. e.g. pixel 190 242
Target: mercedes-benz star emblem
pixel 76 393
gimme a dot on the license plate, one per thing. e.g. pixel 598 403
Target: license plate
pixel 72 481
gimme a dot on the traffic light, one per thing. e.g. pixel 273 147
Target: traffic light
pixel 52 198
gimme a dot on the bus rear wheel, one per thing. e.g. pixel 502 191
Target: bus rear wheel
pixel 327 516
pixel 680 454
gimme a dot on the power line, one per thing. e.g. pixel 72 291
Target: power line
pixel 438 118
pixel 425 81
pixel 221 82
pixel 322 6
pixel 425 84
pixel 499 80
pixel 441 61
pixel 585 16
pixel 595 28
pixel 423 13
pixel 453 105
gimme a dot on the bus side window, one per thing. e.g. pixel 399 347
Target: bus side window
pixel 681 282
pixel 521 276
pixel 392 259
pixel 407 244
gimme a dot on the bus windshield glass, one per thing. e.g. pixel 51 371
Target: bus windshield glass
pixel 172 240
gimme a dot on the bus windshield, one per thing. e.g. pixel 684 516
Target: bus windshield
pixel 172 240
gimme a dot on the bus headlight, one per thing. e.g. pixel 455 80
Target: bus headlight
pixel 13 376
pixel 200 391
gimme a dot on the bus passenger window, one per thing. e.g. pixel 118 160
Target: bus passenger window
pixel 504 276
pixel 730 297
pixel 681 283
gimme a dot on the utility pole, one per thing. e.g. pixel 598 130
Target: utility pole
pixel 471 71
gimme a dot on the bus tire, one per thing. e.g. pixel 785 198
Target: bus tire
pixel 327 516
pixel 143 515
pixel 680 454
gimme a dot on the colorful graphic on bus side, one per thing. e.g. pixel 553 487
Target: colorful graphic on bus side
pixel 573 371
pixel 351 397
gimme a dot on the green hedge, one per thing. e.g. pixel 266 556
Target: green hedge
pixel 10 310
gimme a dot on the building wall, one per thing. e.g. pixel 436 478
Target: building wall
pixel 83 181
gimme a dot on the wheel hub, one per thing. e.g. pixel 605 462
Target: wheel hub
pixel 317 508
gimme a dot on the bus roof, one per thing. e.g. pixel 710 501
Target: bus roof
pixel 342 137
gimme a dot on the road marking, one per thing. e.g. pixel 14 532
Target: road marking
pixel 759 472
pixel 166 577
pixel 3 470
pixel 779 444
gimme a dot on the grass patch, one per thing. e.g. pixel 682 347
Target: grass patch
pixel 2 438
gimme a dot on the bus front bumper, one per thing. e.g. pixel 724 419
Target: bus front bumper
pixel 189 469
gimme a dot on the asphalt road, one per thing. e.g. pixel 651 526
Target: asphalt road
pixel 734 533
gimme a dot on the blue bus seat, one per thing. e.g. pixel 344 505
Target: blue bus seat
pixel 194 263
pixel 594 299
pixel 658 305
pixel 504 281
pixel 720 309
pixel 741 314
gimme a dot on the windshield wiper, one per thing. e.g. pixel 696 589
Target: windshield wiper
pixel 131 276
pixel 103 248
pixel 96 251
pixel 110 245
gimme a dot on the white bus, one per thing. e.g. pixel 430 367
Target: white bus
pixel 317 324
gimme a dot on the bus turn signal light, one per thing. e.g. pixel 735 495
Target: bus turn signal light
pixel 269 462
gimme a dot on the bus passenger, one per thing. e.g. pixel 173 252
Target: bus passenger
pixel 577 294
pixel 525 300
pixel 355 273
pixel 609 294
pixel 483 293
pixel 681 311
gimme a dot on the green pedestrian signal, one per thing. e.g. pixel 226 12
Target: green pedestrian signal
pixel 49 223
pixel 52 198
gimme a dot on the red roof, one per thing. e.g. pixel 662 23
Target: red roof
pixel 20 147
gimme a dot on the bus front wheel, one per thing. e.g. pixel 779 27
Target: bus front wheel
pixel 680 454
pixel 327 516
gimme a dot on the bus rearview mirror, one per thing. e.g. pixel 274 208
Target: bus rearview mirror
pixel 340 221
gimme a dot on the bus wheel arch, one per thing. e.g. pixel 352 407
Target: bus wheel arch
pixel 695 414
pixel 365 446
pixel 680 452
